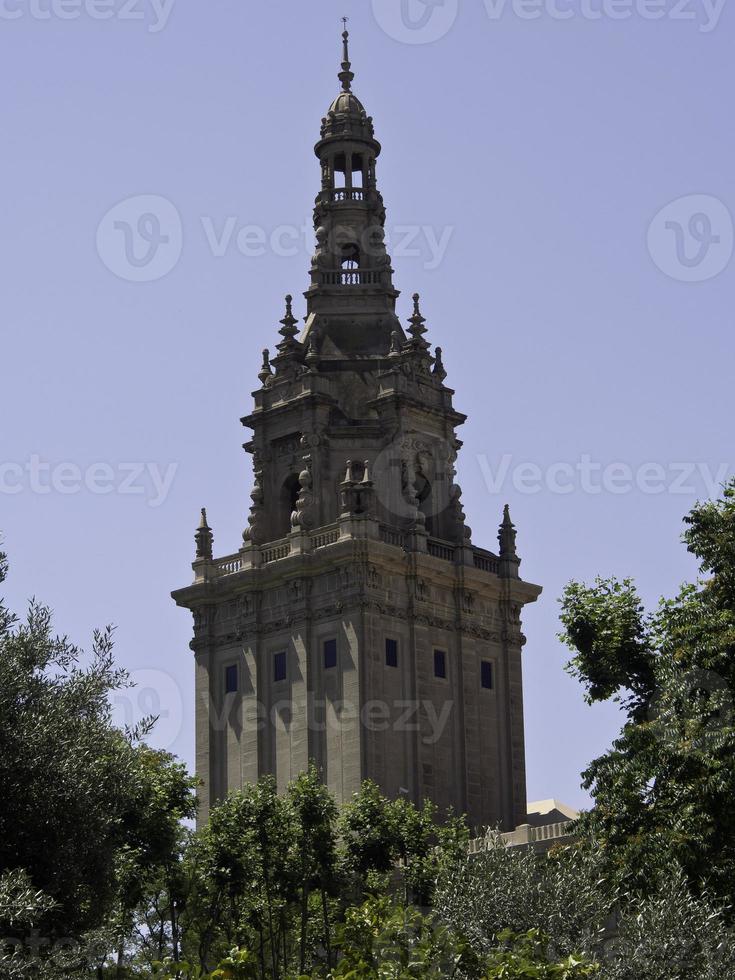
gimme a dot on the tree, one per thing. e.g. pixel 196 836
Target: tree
pixel 562 895
pixel 86 807
pixel 381 939
pixel 672 935
pixel 663 793
pixel 316 845
pixel 388 840
pixel 244 867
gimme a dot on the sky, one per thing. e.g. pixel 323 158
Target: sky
pixel 558 182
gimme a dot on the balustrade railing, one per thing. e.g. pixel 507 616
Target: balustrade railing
pixel 277 551
pixel 328 536
pixel 440 549
pixel 348 194
pixel 391 535
pixel 523 835
pixel 485 561
pixel 352 277
pixel 228 565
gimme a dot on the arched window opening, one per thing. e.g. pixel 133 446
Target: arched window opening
pixel 357 471
pixel 357 171
pixel 423 496
pixel 350 258
pixel 287 504
pixel 350 263
pixel 349 174
pixel 340 171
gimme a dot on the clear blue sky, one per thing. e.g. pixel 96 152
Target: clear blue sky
pixel 545 148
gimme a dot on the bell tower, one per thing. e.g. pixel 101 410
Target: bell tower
pixel 349 218
pixel 358 625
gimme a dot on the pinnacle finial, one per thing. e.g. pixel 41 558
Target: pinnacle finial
pixel 265 372
pixel 439 369
pixel 417 321
pixel 507 539
pixel 204 538
pixel 346 76
pixel 288 330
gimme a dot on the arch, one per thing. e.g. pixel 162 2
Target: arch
pixel 422 488
pixel 287 498
pixel 349 256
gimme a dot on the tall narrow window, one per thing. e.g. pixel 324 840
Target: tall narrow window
pixel 287 503
pixel 356 170
pixel 339 170
pixel 391 653
pixel 231 679
pixel 279 666
pixel 486 674
pixel 330 654
pixel 440 663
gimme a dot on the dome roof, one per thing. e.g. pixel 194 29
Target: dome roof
pixel 347 102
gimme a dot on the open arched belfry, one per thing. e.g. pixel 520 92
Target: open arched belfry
pixel 358 625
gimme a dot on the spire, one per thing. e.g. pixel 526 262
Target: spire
pixel 345 76
pixel 288 331
pixel 289 349
pixel 204 538
pixel 439 371
pixel 417 328
pixel 265 372
pixel 507 535
pixel 509 560
pixel 417 321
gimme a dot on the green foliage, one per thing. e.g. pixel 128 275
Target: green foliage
pixel 387 940
pixel 663 793
pixel 274 874
pixel 392 840
pixel 88 810
pixel 526 955
pixel 607 628
pixel 562 894
pixel 672 935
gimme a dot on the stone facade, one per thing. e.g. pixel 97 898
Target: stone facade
pixel 357 625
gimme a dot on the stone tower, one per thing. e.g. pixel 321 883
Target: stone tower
pixel 357 625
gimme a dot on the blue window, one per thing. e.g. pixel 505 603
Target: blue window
pixel 231 679
pixel 440 663
pixel 391 653
pixel 486 674
pixel 279 666
pixel 330 654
